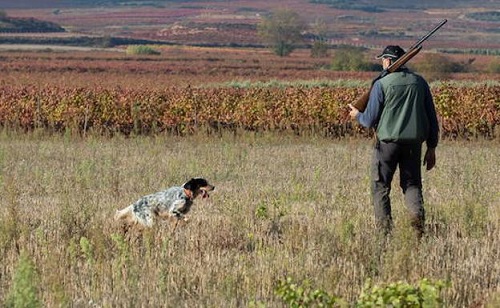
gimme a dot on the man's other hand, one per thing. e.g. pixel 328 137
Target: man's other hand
pixel 430 158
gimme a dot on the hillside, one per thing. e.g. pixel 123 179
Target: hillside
pixel 8 24
pixel 372 5
pixel 471 24
pixel 344 4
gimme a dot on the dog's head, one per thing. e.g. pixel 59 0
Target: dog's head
pixel 198 186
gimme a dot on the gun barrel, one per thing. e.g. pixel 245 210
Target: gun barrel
pixel 425 37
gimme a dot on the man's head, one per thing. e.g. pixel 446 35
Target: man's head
pixel 390 54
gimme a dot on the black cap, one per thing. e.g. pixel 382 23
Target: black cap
pixel 392 51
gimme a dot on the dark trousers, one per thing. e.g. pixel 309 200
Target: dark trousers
pixel 386 158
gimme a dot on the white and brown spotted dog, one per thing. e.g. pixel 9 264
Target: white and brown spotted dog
pixel 175 202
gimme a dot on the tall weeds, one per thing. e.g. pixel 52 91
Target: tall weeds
pixel 284 206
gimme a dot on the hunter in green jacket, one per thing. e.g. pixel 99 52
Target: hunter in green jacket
pixel 402 111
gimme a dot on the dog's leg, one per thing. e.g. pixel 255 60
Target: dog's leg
pixel 175 226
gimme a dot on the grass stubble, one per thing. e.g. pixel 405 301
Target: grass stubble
pixel 284 206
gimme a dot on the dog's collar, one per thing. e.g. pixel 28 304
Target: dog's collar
pixel 188 193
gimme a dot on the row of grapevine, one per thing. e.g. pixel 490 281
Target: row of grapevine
pixel 463 111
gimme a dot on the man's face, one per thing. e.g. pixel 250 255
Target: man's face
pixel 386 62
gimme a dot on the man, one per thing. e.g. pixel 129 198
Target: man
pixel 402 111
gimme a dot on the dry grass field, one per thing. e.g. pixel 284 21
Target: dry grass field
pixel 284 206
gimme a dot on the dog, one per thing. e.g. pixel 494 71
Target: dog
pixel 175 202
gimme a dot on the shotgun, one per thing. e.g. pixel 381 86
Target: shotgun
pixel 361 103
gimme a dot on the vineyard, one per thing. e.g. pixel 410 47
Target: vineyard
pixel 464 111
pixel 187 89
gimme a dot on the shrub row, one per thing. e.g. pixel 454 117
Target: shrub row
pixel 463 111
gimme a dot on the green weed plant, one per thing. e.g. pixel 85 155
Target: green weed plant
pixel 397 294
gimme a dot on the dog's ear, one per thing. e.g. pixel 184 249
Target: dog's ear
pixel 189 184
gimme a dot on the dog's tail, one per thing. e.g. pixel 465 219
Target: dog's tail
pixel 125 214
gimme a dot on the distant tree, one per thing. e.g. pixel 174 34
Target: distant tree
pixel 3 15
pixel 282 31
pixel 494 66
pixel 351 59
pixel 437 67
pixel 319 47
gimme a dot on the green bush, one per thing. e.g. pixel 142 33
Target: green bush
pixel 23 292
pixel 402 294
pixel 319 49
pixel 141 50
pixel 352 59
pixel 494 66
pixel 304 296
pixel 438 67
pixel 398 294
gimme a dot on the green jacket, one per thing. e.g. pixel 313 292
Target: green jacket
pixel 404 117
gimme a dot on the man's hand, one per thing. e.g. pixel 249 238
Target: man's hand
pixel 430 158
pixel 354 112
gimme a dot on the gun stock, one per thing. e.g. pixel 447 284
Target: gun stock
pixel 361 103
